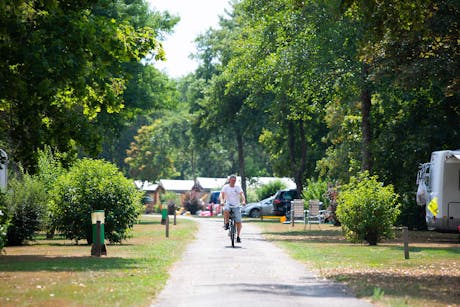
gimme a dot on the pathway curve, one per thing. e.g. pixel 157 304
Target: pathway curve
pixel 256 272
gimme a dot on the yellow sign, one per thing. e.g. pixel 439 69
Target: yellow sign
pixel 433 206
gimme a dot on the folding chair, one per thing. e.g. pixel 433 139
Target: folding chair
pixel 314 213
pixel 297 211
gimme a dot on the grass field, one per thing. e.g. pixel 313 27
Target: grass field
pixel 430 277
pixel 59 273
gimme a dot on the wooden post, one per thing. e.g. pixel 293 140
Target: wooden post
pixel 406 242
pixel 175 216
pixel 292 214
pixel 167 226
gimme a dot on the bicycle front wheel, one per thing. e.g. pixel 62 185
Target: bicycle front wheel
pixel 232 232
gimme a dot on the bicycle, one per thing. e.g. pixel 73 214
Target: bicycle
pixel 232 226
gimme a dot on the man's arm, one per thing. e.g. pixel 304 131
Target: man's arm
pixel 222 197
pixel 243 198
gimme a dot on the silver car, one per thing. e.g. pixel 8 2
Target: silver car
pixel 263 207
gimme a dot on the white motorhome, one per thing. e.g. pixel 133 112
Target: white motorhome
pixel 439 190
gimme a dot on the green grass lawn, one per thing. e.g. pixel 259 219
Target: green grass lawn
pixel 59 273
pixel 430 277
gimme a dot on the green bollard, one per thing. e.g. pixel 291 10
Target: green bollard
pixel 164 216
pixel 97 220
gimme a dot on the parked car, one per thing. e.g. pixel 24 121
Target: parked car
pixel 282 201
pixel 263 207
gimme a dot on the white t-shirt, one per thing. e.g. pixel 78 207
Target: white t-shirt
pixel 232 194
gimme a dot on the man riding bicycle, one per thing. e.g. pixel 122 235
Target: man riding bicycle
pixel 230 196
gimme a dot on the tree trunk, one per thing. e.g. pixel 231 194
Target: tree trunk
pixel 366 158
pixel 239 139
pixel 192 158
pixel 297 163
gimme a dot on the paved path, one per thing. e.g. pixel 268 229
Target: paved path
pixel 256 272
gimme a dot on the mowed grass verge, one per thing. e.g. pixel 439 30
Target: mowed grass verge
pixel 430 277
pixel 59 273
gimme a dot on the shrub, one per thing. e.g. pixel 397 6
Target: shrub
pixel 49 169
pixel 192 203
pixel 170 199
pixel 412 215
pixel 270 189
pixel 94 185
pixel 315 190
pixel 367 209
pixel 4 221
pixel 251 195
pixel 26 201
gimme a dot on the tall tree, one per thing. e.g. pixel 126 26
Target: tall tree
pixel 275 57
pixel 410 45
pixel 223 110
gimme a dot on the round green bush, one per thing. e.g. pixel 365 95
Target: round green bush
pixel 94 185
pixel 367 209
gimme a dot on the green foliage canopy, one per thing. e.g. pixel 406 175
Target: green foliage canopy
pixel 62 64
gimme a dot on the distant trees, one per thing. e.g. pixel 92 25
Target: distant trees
pixel 152 154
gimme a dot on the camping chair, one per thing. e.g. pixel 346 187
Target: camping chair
pixel 314 213
pixel 297 211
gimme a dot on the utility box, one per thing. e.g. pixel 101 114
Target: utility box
pixel 97 220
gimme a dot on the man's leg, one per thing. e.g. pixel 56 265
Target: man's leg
pixel 239 225
pixel 226 218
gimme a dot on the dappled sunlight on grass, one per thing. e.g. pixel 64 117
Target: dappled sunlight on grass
pixel 313 233
pixel 430 277
pixel 58 272
pixel 418 286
